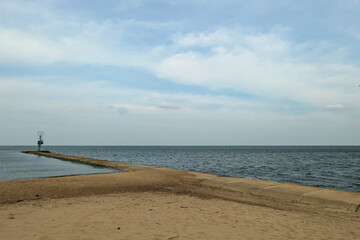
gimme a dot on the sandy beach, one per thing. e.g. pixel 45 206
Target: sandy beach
pixel 157 204
pixel 161 215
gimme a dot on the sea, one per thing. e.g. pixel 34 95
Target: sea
pixel 16 165
pixel 333 167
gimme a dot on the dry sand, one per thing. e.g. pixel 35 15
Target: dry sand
pixel 156 205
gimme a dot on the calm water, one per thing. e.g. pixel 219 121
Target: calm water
pixel 329 167
pixel 17 165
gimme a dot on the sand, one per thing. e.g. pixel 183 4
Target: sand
pixel 157 204
pixel 161 215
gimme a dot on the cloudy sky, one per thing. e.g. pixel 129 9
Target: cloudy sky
pixel 180 72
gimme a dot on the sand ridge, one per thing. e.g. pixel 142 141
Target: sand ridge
pixel 284 192
pixel 155 203
pixel 84 185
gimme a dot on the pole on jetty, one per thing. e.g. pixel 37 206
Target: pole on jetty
pixel 40 134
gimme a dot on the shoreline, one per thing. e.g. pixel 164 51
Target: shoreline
pixel 157 203
pixel 327 198
pixel 329 167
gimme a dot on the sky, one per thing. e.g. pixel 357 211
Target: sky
pixel 180 72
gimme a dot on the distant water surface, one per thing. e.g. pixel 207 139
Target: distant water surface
pixel 17 165
pixel 319 166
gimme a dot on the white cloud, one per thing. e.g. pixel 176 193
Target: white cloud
pixel 335 107
pixel 260 64
pixel 51 37
pixel 58 108
pixel 18 46
pixel 263 64
pixel 167 105
pixel 28 94
pixel 216 38
pixel 80 48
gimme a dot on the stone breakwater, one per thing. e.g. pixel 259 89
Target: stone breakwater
pixel 282 192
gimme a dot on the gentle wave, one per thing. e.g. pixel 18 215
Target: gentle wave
pixel 328 167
